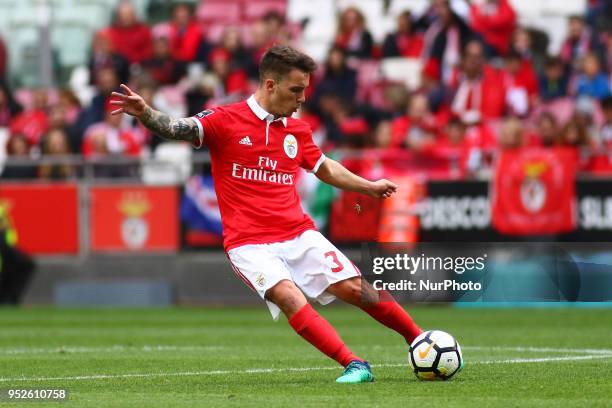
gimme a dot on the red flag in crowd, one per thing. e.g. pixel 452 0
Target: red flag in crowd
pixel 533 191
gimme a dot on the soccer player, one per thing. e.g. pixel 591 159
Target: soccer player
pixel 256 148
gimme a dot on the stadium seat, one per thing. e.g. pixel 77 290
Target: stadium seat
pixel 374 13
pixel 405 70
pixel 92 15
pixel 553 25
pixel 79 84
pixel 219 12
pixel 4 136
pixel 297 10
pixel 563 8
pixel 171 99
pixel 73 43
pixel 23 48
pixel 527 7
pixel 417 7
pixel 368 74
pixel 214 31
pixel 254 10
pixel 319 31
pixel 171 164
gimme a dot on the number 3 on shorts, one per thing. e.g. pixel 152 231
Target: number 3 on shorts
pixel 337 265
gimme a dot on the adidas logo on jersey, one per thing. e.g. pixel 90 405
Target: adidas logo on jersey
pixel 246 141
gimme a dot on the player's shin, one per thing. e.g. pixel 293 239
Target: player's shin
pixel 320 333
pixel 388 312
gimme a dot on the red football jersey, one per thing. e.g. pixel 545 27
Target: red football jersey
pixel 255 160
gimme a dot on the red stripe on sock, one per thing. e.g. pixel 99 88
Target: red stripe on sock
pixel 388 312
pixel 318 332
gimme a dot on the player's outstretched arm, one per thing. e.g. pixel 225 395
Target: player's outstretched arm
pixel 335 174
pixel 157 122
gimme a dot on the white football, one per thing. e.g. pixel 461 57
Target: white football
pixel 435 355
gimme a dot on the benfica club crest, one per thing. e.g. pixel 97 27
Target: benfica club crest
pixel 134 227
pixel 533 189
pixel 291 146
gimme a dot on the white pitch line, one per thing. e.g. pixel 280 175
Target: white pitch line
pixel 540 349
pixel 542 359
pixel 277 370
pixel 110 349
pixel 162 347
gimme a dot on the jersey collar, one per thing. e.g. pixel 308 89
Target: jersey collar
pixel 261 113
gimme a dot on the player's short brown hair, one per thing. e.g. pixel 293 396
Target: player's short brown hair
pixel 281 59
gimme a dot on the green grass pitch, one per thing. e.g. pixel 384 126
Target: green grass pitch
pixel 192 357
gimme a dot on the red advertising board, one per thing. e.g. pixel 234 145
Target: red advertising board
pixel 134 218
pixel 44 215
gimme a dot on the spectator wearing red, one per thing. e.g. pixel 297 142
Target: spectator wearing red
pixel 445 38
pixel 241 56
pixel 109 137
pixel 521 83
pixel 70 104
pixel 345 124
pixel 546 132
pixel 352 35
pixel 9 107
pixel 417 129
pixel 162 68
pixel 271 29
pixel 464 145
pixel 575 134
pixel 478 89
pixel 234 80
pixel 34 122
pixel 129 37
pixel 3 60
pixel 185 34
pixel 452 145
pixel 512 134
pixel 405 41
pixel 102 57
pixel 275 28
pixel 579 42
pixel 495 21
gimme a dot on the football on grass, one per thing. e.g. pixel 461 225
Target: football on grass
pixel 435 355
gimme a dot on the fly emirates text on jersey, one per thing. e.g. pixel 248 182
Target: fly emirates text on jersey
pixel 266 172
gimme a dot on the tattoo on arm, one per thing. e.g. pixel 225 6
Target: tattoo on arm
pixel 168 127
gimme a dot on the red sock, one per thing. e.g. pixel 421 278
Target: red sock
pixel 388 312
pixel 318 332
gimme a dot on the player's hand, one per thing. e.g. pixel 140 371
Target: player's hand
pixel 382 189
pixel 128 102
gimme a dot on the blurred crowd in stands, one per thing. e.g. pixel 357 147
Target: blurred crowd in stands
pixel 486 83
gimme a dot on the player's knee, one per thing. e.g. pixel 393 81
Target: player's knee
pixel 369 295
pixel 356 291
pixel 348 290
pixel 288 297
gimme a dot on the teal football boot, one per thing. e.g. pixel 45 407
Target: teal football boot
pixel 356 372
